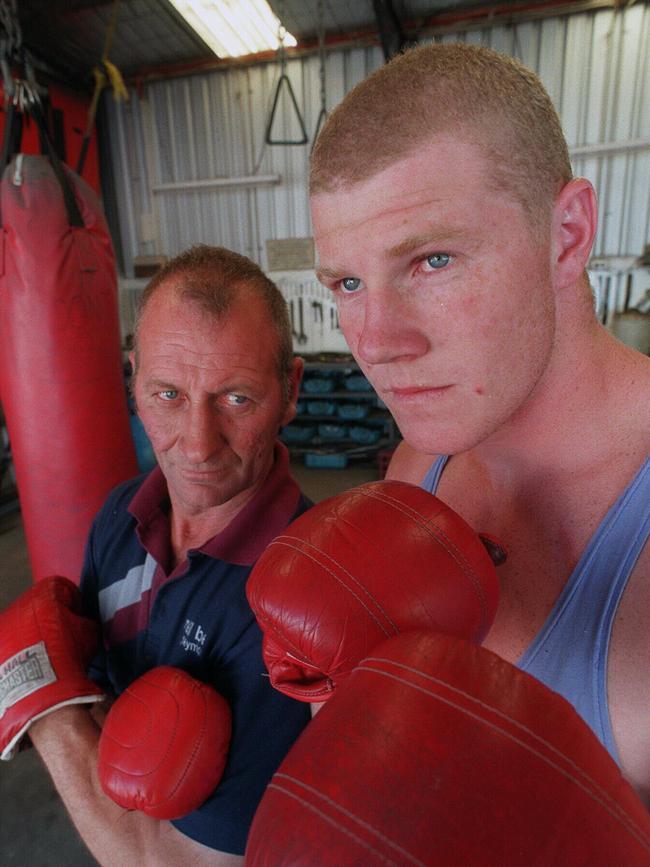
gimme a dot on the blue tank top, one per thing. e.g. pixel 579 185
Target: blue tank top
pixel 569 654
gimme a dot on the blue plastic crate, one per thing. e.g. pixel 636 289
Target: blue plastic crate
pixel 353 411
pixel 318 460
pixel 297 434
pixel 332 432
pixel 357 382
pixel 364 435
pixel 321 407
pixel 318 385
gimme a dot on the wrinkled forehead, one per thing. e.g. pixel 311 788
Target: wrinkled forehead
pixel 172 305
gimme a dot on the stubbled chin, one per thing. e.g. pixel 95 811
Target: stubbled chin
pixel 208 491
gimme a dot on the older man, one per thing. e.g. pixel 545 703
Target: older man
pixel 168 555
pixel 456 249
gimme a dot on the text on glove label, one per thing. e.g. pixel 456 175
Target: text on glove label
pixel 23 674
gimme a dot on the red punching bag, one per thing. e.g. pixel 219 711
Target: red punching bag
pixel 61 383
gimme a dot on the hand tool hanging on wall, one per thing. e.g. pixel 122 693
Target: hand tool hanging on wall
pixel 317 309
pixel 302 337
pixel 61 382
pixel 292 314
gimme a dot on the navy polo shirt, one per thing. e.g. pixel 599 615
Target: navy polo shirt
pixel 196 617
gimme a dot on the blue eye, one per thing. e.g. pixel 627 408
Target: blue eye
pixel 350 284
pixel 236 399
pixel 438 260
pixel 168 394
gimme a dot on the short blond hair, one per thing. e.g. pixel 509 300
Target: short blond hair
pixel 479 95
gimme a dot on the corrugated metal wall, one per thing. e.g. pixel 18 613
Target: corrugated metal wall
pixel 595 66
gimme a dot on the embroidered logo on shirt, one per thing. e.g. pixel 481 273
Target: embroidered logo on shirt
pixel 193 639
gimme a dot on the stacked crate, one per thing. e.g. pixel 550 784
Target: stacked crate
pixel 339 417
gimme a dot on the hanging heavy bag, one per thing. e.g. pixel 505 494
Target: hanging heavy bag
pixel 61 383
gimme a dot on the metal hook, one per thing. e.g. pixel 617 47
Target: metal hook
pixel 284 81
pixel 321 72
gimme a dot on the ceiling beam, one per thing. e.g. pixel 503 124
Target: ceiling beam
pixel 390 30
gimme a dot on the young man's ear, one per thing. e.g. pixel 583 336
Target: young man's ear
pixel 574 224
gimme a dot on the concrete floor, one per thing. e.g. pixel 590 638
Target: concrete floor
pixel 34 827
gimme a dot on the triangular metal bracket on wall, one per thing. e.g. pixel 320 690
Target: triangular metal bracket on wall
pixel 284 82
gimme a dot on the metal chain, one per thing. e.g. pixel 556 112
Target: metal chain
pixel 282 32
pixel 11 24
pixel 321 55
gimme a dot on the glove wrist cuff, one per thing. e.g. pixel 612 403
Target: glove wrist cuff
pixel 12 747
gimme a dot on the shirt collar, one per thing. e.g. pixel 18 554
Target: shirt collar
pixel 260 520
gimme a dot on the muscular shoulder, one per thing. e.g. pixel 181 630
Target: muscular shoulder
pixel 407 465
pixel 628 679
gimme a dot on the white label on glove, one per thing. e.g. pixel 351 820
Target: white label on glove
pixel 26 672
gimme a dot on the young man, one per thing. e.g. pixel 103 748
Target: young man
pixel 169 554
pixel 456 248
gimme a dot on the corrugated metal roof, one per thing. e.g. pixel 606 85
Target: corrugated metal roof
pixel 69 35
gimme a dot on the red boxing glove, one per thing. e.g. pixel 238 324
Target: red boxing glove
pixel 380 559
pixel 45 648
pixel 438 752
pixel 164 744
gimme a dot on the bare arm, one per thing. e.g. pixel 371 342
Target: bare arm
pixel 67 741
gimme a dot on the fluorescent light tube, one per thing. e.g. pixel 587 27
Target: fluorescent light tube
pixel 234 28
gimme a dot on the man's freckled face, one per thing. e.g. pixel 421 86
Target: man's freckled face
pixel 210 397
pixel 449 310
